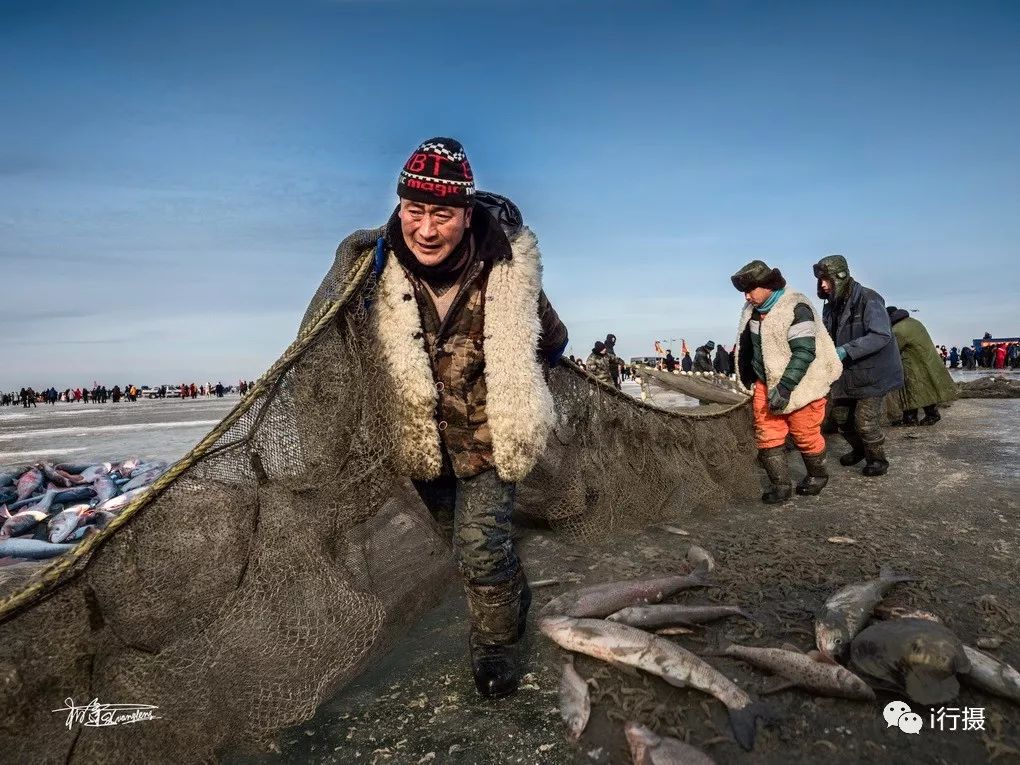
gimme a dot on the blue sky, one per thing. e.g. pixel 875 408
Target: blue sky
pixel 174 177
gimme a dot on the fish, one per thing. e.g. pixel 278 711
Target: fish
pixel 916 656
pixel 848 609
pixel 608 598
pixel 121 501
pixel 670 615
pixel 98 518
pixel 81 532
pixel 30 482
pixel 37 502
pixel 621 645
pixel 56 477
pixel 992 675
pixel 648 748
pixel 144 466
pixel 10 477
pixel 575 704
pixel 8 495
pixel 21 523
pixel 105 488
pixel 63 523
pixel 93 472
pixel 700 559
pixel 74 494
pixel 812 673
pixel 143 479
pixel 72 468
pixel 124 467
pixel 31 549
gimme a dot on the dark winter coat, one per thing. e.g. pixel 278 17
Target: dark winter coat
pixel 686 364
pixel 722 361
pixel 860 325
pixel 703 360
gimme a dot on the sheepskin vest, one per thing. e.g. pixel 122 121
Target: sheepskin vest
pixel 775 348
pixel 518 406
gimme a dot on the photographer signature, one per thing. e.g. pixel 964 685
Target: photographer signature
pixel 96 715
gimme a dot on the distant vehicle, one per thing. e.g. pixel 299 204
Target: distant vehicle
pixel 172 391
pixel 648 361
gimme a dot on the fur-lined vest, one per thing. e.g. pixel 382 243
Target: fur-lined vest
pixel 479 387
pixel 821 373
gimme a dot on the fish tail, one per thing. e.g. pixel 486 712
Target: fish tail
pixel 887 574
pixel 702 568
pixel 702 578
pixel 743 721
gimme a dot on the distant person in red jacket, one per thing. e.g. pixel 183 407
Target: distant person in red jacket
pixel 1000 357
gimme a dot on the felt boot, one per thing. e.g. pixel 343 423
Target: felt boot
pixel 817 476
pixel 877 464
pixel 495 612
pixel 778 470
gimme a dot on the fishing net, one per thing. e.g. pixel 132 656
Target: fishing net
pixel 990 387
pixel 282 555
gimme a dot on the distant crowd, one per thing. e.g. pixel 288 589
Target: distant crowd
pixel 100 394
pixel 990 356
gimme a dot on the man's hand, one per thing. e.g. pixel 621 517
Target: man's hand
pixel 779 399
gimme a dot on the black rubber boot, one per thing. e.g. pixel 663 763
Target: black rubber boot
pixel 851 458
pixel 856 453
pixel 495 611
pixel 877 463
pixel 778 470
pixel 495 669
pixel 931 416
pixel 817 476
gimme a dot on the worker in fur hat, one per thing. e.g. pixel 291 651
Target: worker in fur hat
pixel 784 355
pixel 858 324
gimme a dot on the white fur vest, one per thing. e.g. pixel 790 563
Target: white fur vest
pixel 519 405
pixel 775 350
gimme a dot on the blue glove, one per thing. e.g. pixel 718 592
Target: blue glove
pixel 779 399
pixel 841 352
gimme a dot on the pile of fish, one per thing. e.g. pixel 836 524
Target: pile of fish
pixel 909 653
pixel 46 509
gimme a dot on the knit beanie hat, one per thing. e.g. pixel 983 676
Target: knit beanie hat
pixel 758 274
pixel 438 173
pixel 599 347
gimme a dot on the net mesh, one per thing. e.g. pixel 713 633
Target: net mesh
pixel 281 556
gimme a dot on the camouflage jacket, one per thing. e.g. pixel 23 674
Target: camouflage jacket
pixel 600 366
pixel 456 351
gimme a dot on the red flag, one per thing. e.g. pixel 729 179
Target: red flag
pixel 683 347
pixel 658 348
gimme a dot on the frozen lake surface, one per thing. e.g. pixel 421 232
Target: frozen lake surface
pixel 161 429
